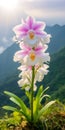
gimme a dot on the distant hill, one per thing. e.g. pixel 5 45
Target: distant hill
pixel 7 66
pixel 56 76
pixel 58 38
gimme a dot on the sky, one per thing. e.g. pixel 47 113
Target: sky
pixel 50 11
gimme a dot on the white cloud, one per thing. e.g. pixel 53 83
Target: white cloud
pixel 4 40
pixel 5 43
pixel 44 13
pixel 35 13
pixel 1 49
pixel 52 11
pixel 44 9
pixel 47 15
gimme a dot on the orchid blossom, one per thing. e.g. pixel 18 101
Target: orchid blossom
pixel 32 56
pixel 31 32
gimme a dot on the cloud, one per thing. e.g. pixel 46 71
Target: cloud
pixel 45 4
pixel 41 9
pixel 4 40
pixel 53 12
pixel 1 49
pixel 45 13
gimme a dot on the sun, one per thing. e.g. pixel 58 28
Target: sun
pixel 8 5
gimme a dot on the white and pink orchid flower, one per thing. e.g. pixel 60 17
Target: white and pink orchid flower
pixel 30 31
pixel 32 56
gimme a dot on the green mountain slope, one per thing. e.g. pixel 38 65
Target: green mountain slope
pixel 56 76
pixel 58 38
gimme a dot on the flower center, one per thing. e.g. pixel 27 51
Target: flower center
pixel 31 35
pixel 32 56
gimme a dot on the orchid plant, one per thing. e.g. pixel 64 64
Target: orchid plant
pixel 33 42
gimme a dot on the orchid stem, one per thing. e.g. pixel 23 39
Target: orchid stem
pixel 32 93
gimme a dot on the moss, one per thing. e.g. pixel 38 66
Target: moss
pixel 52 119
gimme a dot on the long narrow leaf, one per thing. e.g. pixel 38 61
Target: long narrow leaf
pixel 44 91
pixel 10 108
pixel 36 103
pixel 39 91
pixel 19 102
pixel 46 95
pixel 17 99
pixel 37 100
pixel 45 108
pixel 28 95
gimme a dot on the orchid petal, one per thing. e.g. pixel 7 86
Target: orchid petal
pixel 20 29
pixel 30 22
pixel 39 26
pixel 21 35
pixel 39 48
pixel 46 57
pixel 25 47
pixel 40 33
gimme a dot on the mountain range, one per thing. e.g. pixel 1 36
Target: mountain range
pixel 56 76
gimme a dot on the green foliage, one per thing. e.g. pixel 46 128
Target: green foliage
pixel 38 110
pixel 11 121
pixel 45 108
pixel 22 107
pixel 52 119
pixel 37 103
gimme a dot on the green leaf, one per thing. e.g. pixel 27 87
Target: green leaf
pixel 19 102
pixel 46 95
pixel 37 100
pixel 28 94
pixel 9 108
pixel 36 103
pixel 16 100
pixel 40 90
pixel 45 108
pixel 44 91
